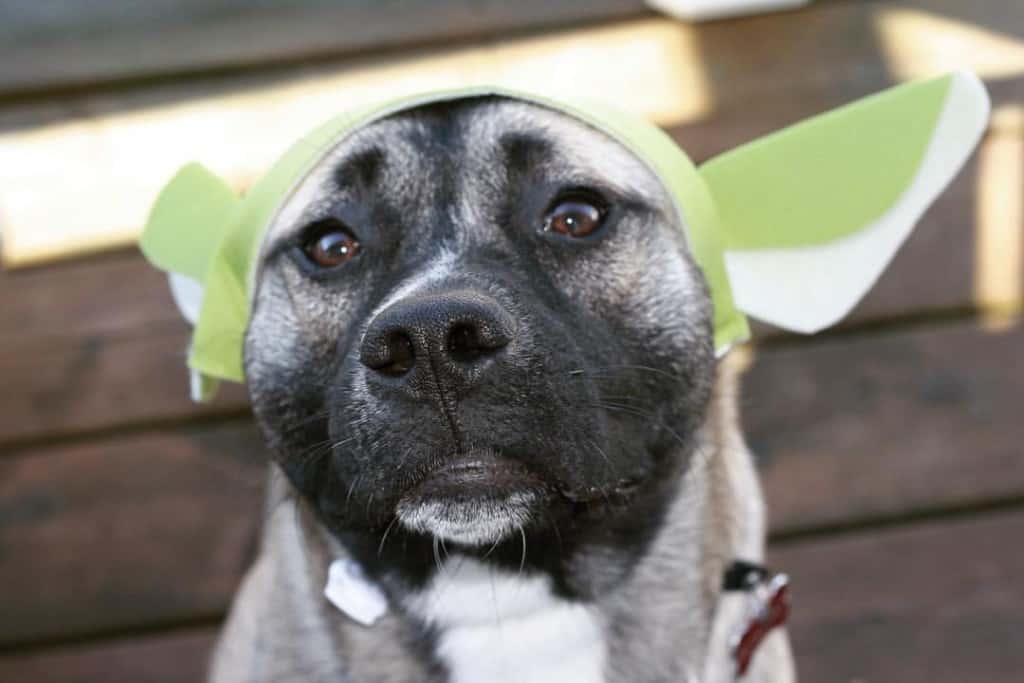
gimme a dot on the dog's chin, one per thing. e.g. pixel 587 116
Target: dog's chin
pixel 472 501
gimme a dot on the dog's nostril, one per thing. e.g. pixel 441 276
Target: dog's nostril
pixel 400 356
pixel 463 343
pixel 466 343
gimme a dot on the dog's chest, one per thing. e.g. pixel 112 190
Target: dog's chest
pixel 495 626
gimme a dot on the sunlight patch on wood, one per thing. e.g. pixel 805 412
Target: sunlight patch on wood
pixel 918 44
pixel 87 183
pixel 999 226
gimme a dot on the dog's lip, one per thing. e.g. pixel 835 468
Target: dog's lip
pixel 472 499
pixel 493 476
pixel 476 475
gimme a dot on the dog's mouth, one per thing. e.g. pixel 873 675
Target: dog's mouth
pixel 484 498
pixel 473 500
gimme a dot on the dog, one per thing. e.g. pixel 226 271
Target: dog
pixel 482 357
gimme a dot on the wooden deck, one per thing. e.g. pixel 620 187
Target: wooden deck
pixel 892 449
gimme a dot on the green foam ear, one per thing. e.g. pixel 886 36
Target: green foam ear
pixel 184 233
pixel 812 214
pixel 187 222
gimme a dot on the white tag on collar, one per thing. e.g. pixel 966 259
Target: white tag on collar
pixel 350 591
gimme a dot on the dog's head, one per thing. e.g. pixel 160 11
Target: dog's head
pixel 479 319
pixel 478 322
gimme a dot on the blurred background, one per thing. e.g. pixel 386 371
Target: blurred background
pixel 891 448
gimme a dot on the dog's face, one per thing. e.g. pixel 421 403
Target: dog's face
pixel 477 322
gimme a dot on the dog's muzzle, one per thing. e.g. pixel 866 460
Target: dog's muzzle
pixel 434 348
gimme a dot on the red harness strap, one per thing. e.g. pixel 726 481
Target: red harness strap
pixel 769 607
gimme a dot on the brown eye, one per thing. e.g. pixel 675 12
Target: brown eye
pixel 331 245
pixel 574 217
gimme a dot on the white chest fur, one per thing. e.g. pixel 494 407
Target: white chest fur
pixel 494 626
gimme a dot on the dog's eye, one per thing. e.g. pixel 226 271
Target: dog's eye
pixel 575 216
pixel 329 244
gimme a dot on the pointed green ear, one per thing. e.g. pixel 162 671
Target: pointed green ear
pixel 184 231
pixel 813 214
pixel 187 222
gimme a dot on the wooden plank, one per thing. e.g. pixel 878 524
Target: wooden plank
pixel 238 127
pixel 887 424
pixel 179 657
pixel 127 532
pixel 79 45
pixel 97 382
pixel 868 607
pixel 99 41
pixel 93 344
pixel 105 295
pixel 939 602
pixel 111 142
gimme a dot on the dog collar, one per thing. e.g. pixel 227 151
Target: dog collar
pixel 792 228
pixel 767 596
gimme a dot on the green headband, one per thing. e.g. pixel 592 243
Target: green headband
pixel 792 228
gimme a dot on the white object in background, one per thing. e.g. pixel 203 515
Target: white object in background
pixel 703 10
pixel 350 591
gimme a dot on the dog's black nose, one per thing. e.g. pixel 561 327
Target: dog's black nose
pixel 449 335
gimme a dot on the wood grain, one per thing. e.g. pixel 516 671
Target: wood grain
pixel 939 602
pixel 99 382
pixel 887 424
pixel 731 70
pixel 127 531
pixel 111 295
pixel 177 657
pixel 107 40
pixel 92 345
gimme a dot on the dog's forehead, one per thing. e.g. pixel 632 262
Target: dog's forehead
pixel 477 139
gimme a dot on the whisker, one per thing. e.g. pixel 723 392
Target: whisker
pixel 522 559
pixel 444 549
pixel 437 554
pixel 630 410
pixel 303 422
pixel 558 534
pixel 384 538
pixel 369 504
pixel 351 488
pixel 490 550
pixel 604 455
pixel 622 366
